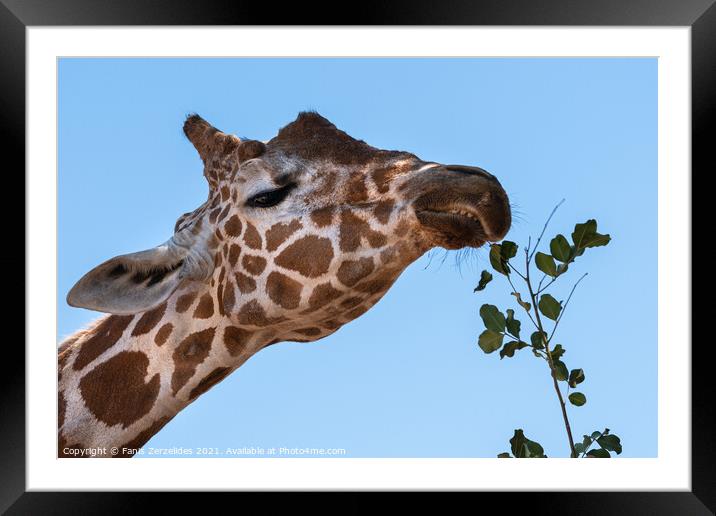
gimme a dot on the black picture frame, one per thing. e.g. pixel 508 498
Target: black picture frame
pixel 16 15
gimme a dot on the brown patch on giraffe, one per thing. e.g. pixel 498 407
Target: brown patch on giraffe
pixel 220 298
pixel 163 334
pixel 383 176
pixel 245 283
pixel 234 252
pixel 374 286
pixel 104 336
pixel 218 237
pixel 205 308
pixel 402 228
pixel 351 272
pixel 235 339
pixel 278 233
pixel 115 391
pixel 356 192
pixel 283 291
pixel 184 302
pixel 252 237
pixel 188 355
pixel 322 217
pixel 233 226
pixel 141 438
pixel 310 256
pixel 351 302
pixel 224 193
pixel 254 314
pixel 353 228
pixel 310 332
pixel 228 299
pixel 223 213
pixel 214 215
pixel 357 312
pixel 321 295
pixel 389 255
pixel 254 265
pixel 149 320
pixel 61 408
pixel 214 201
pixel 180 221
pixel 209 381
pixel 383 210
pixel 332 324
pixel 380 282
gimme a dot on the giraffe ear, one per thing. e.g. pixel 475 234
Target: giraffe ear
pixel 136 282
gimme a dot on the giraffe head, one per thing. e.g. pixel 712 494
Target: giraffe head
pixel 303 233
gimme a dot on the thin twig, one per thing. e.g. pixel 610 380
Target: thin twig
pixel 550 362
pixel 545 227
pixel 564 308
pixel 515 271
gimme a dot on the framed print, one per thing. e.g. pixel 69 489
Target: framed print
pixel 297 258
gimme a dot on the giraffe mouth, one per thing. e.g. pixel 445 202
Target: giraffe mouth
pixel 454 227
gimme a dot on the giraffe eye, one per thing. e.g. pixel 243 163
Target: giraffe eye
pixel 271 197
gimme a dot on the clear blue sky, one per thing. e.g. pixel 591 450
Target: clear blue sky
pixel 406 379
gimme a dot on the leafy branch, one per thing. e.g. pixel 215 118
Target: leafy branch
pixel 502 330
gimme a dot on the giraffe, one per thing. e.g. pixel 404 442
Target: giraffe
pixel 298 236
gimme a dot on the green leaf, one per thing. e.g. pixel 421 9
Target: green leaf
pixel 537 338
pixel 585 235
pixel 557 352
pixel 496 260
pixel 598 453
pixel 523 304
pixel 546 264
pixel 523 448
pixel 576 376
pixel 596 435
pixel 504 455
pixel 560 370
pixel 577 399
pixel 562 268
pixel 494 319
pixel 611 443
pixel 579 447
pixel 599 240
pixel 509 250
pixel 549 307
pixel 490 341
pixel 560 249
pixel 509 349
pixel 512 324
pixel 485 278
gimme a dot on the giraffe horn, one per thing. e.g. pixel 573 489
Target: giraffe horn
pixel 206 138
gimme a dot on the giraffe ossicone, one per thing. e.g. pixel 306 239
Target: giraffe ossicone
pixel 299 235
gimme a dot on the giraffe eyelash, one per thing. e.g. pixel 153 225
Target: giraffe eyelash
pixel 270 198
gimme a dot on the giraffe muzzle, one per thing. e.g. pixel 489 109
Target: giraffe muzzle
pixel 462 206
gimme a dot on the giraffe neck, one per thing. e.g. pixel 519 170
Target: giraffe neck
pixel 125 377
